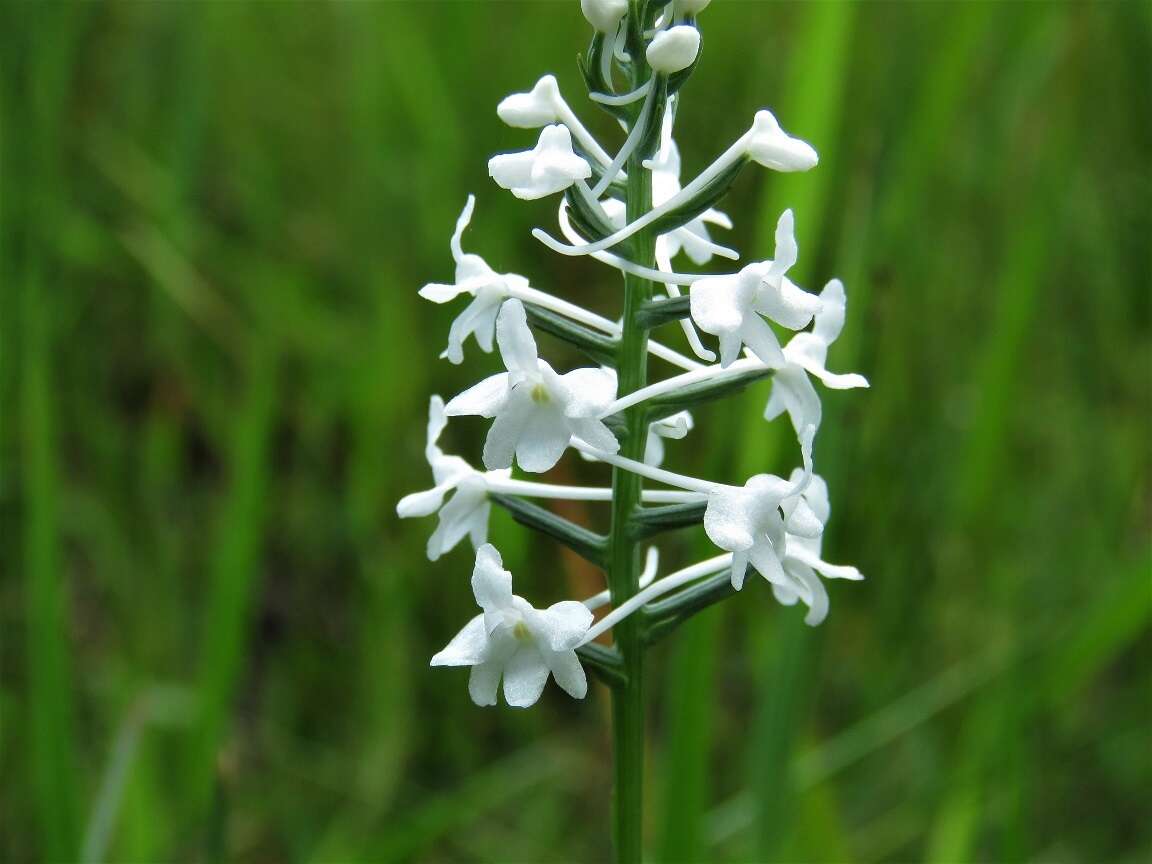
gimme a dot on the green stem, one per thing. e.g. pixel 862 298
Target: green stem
pixel 624 564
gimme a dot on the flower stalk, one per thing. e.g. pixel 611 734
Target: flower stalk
pixel 627 487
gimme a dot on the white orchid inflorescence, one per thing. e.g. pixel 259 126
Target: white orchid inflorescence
pixel 631 212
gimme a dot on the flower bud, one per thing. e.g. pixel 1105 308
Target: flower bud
pixel 674 49
pixel 774 148
pixel 533 109
pixel 604 15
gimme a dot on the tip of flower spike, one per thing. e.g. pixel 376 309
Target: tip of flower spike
pixel 772 147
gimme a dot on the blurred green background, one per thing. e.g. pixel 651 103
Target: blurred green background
pixel 214 371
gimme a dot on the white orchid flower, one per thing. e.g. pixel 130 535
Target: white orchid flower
pixel 774 148
pixel 806 354
pixel 487 287
pixel 673 49
pixel 466 514
pixel 802 563
pixel 748 520
pixel 733 307
pixel 510 639
pixel 540 106
pixel 676 426
pixel 537 412
pixel 552 166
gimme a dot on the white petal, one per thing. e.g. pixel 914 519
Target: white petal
pixel 786 249
pixel 456 520
pixel 467 648
pixel 543 439
pixel 759 337
pixel 484 399
pixel 491 583
pixel 847 381
pixel 695 241
pixel 794 393
pixel 596 433
pixel 739 569
pixel 830 319
pixel 562 625
pixel 801 521
pixel 714 304
pixel 718 218
pixel 484 682
pixel 730 343
pixel 440 293
pixel 506 431
pixel 815 595
pixel 830 571
pixel 774 148
pixel 726 520
pixel 461 223
pixel 517 346
pixel 786 304
pixel 588 391
pixel 532 109
pixel 421 503
pixel 766 561
pixel 653 448
pixel 568 672
pixel 476 317
pixel 525 675
pixel 555 166
pixel 511 170
pixel 816 494
pixel 437 420
pixel 677 425
pixel 478 523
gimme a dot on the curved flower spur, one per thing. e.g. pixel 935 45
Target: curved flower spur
pixel 630 211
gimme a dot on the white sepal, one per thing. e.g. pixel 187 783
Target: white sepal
pixel 604 15
pixel 774 148
pixel 536 108
pixel 676 426
pixel 674 49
